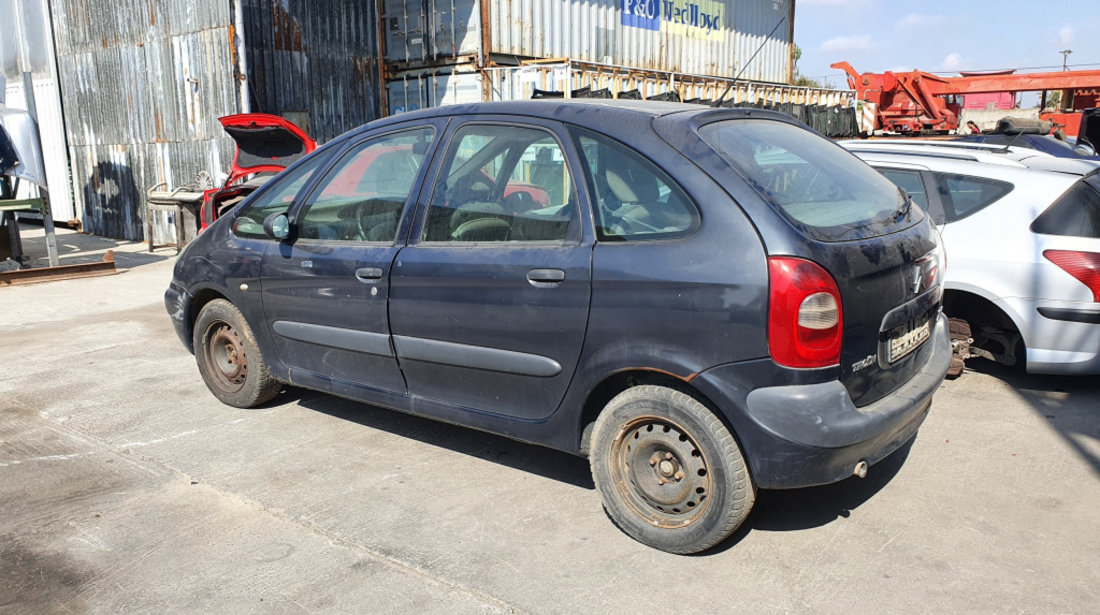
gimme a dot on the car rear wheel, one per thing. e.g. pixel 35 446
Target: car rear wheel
pixel 669 471
pixel 229 359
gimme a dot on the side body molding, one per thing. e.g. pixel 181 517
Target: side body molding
pixel 476 357
pixel 336 337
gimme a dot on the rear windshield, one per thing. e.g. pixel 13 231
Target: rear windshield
pixel 823 190
pixel 1075 213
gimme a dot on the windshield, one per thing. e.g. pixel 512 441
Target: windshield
pixel 823 190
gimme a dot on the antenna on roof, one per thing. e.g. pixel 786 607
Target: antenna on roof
pixel 718 102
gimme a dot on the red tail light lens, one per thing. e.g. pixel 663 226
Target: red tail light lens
pixel 805 320
pixel 1085 266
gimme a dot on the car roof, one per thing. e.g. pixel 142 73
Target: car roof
pixel 975 152
pixel 1005 170
pixel 584 111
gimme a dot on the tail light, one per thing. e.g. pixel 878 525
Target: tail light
pixel 1084 266
pixel 805 322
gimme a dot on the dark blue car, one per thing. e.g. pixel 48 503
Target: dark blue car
pixel 703 302
pixel 1043 143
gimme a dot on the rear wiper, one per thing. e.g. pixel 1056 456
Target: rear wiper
pixel 902 211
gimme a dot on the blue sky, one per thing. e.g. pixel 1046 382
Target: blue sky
pixel 944 37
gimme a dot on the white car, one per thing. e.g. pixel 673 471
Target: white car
pixel 1023 248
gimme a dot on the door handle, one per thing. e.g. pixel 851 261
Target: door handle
pixel 368 274
pixel 545 276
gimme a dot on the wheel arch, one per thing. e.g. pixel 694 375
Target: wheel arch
pixel 199 299
pixel 962 302
pixel 606 390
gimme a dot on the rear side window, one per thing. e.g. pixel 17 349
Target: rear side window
pixel 634 199
pixel 1076 213
pixel 964 195
pixel 826 192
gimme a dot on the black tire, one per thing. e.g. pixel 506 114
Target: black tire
pixel 958 330
pixel 669 472
pixel 229 359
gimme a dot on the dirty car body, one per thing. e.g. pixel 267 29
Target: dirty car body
pixel 745 305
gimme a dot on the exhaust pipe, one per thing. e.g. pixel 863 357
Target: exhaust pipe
pixel 861 469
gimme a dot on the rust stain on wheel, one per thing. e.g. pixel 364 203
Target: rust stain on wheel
pixel 660 472
pixel 225 353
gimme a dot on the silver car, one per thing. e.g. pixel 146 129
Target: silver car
pixel 1022 234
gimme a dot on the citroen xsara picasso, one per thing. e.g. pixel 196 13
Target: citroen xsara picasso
pixel 703 302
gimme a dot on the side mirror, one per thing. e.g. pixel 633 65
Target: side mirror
pixel 1084 148
pixel 277 226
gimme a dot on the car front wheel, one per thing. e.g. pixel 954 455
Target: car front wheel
pixel 229 359
pixel 669 471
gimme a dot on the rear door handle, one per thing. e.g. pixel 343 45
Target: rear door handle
pixel 545 276
pixel 368 274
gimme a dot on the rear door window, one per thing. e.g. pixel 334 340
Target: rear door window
pixel 913 182
pixel 503 183
pixel 965 195
pixel 823 190
pixel 1076 213
pixel 910 182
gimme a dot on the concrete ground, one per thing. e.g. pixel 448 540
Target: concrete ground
pixel 126 488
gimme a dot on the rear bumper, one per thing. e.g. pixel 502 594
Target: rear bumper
pixel 800 435
pixel 1061 337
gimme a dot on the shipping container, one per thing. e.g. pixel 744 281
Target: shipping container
pixel 143 84
pixel 750 38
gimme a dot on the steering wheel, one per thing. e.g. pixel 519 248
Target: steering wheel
pixel 482 229
pixel 474 187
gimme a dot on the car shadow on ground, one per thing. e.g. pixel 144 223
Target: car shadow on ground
pixel 802 509
pixel 1070 404
pixel 545 462
pixel 788 510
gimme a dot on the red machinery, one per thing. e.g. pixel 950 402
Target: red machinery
pixel 919 102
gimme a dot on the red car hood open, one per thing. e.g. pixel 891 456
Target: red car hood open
pixel 264 143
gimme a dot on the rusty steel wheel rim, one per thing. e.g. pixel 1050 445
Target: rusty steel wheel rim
pixel 660 472
pixel 226 357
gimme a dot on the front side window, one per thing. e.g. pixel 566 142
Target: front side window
pixel 827 193
pixel 362 197
pixel 634 199
pixel 502 184
pixel 277 199
pixel 964 195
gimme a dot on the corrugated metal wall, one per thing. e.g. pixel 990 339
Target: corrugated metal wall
pixel 316 59
pixel 144 81
pixel 706 37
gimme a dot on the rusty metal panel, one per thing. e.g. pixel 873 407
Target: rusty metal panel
pixel 316 59
pixel 145 81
